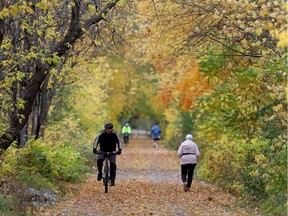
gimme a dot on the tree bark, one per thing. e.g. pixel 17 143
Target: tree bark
pixel 43 107
pixel 2 22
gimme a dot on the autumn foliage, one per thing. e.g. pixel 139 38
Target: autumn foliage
pixel 192 85
pixel 236 108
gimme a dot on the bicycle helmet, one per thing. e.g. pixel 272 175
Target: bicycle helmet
pixel 108 125
pixel 189 136
pixel 127 124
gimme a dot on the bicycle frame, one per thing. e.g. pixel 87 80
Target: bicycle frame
pixel 126 138
pixel 106 173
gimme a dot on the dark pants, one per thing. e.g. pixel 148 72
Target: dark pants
pixel 187 169
pixel 112 159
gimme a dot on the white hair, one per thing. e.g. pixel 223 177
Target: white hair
pixel 189 136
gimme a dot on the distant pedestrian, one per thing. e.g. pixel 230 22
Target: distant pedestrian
pixel 156 132
pixel 189 153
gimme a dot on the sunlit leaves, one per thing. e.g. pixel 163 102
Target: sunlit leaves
pixel 236 25
pixel 43 5
pixel 16 10
pixel 53 60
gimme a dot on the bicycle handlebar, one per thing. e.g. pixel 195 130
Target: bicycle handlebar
pixel 107 153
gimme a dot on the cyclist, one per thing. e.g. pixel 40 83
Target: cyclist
pixel 126 131
pixel 108 139
pixel 156 131
pixel 189 153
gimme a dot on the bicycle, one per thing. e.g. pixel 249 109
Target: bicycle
pixel 106 173
pixel 126 138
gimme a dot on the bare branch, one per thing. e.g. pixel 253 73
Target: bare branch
pixel 100 15
pixel 237 51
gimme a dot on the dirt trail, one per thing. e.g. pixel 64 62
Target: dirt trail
pixel 147 183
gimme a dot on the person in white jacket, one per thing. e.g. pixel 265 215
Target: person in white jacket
pixel 189 153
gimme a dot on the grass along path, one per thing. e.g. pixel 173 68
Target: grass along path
pixel 147 183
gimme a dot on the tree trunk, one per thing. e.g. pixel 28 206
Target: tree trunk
pixel 2 21
pixel 23 136
pixel 43 108
pixel 34 116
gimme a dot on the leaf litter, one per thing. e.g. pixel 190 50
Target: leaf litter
pixel 147 183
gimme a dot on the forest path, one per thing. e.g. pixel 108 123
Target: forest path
pixel 147 183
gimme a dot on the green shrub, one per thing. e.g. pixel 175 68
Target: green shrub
pixel 5 205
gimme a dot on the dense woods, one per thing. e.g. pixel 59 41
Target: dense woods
pixel 216 69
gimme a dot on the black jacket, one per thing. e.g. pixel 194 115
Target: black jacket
pixel 108 142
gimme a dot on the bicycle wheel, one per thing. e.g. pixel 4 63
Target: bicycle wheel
pixel 126 139
pixel 106 177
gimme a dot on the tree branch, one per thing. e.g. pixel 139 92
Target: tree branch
pixel 101 15
pixel 234 50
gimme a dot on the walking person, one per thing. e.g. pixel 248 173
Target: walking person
pixel 189 153
pixel 108 140
pixel 156 132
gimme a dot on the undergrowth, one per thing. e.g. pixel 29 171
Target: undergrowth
pixel 39 173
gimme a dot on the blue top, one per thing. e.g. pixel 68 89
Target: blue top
pixel 156 131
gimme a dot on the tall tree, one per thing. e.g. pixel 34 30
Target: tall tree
pixel 49 32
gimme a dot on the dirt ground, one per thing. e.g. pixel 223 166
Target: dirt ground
pixel 147 183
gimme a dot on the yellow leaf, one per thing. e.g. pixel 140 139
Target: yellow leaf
pixel 278 107
pixel 244 43
pixel 264 12
pixel 283 41
pixel 259 31
pixel 39 32
pixel 272 95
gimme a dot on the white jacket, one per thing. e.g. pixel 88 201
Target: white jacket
pixel 189 152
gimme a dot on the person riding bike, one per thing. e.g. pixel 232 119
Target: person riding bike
pixel 126 131
pixel 108 140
